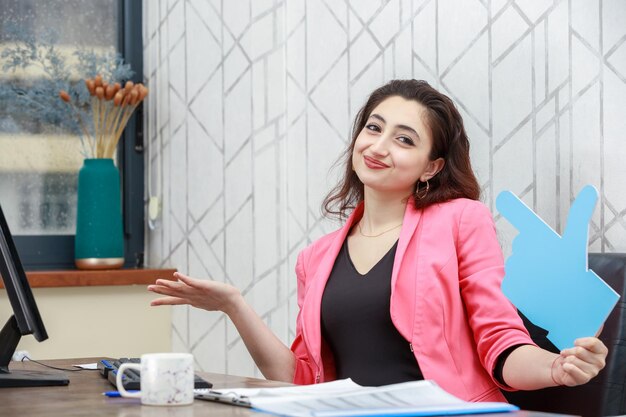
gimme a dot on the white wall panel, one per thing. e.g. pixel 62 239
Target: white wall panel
pixel 251 104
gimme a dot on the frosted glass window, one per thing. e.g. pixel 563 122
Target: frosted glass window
pixel 39 159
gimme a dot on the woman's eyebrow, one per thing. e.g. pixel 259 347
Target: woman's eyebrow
pixel 403 127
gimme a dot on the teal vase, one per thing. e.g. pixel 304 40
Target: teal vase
pixel 99 242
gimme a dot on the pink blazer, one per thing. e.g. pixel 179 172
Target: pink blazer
pixel 445 299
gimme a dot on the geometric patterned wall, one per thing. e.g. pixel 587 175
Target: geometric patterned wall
pixel 216 125
pixel 252 102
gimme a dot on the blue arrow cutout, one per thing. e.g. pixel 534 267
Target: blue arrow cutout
pixel 547 276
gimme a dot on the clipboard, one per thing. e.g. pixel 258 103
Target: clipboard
pixel 344 398
pixel 226 397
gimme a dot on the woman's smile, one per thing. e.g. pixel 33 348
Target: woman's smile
pixel 373 163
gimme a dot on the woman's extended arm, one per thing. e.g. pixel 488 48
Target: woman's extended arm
pixel 493 318
pixel 530 367
pixel 275 360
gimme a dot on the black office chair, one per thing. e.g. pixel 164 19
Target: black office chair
pixel 605 395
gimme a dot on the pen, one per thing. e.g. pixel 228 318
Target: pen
pixel 113 394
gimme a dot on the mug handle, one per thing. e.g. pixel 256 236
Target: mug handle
pixel 118 380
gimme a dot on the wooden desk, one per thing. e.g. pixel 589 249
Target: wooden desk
pixel 83 397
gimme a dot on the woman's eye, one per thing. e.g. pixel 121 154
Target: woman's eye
pixel 406 140
pixel 372 127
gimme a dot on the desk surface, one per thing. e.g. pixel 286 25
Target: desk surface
pixel 83 397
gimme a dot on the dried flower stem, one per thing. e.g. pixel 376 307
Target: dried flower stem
pixel 66 97
pixel 112 106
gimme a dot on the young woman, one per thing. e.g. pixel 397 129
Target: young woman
pixel 409 287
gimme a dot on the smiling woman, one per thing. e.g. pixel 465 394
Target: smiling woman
pixel 434 120
pixel 411 269
pixel 389 150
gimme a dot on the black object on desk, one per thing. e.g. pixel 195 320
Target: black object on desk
pixel 132 378
pixel 24 321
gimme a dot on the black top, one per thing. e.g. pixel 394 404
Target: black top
pixel 356 323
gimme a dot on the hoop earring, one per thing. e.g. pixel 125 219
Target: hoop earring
pixel 419 194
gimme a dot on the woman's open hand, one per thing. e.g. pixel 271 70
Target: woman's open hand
pixel 274 359
pixel 579 364
pixel 205 294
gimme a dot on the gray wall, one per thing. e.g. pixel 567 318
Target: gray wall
pixel 252 102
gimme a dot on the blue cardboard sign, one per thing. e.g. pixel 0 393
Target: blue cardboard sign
pixel 547 276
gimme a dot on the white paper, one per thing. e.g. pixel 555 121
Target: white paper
pixel 89 366
pixel 346 398
pixel 243 396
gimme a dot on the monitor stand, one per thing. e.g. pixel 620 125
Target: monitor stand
pixel 33 379
pixel 9 338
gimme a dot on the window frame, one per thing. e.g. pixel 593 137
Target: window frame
pixel 50 252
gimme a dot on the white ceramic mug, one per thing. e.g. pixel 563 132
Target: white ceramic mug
pixel 166 379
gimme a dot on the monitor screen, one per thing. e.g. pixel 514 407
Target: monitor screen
pixel 18 289
pixel 25 319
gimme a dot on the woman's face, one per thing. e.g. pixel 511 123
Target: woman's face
pixel 392 151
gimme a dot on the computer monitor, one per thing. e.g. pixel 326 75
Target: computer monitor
pixel 25 319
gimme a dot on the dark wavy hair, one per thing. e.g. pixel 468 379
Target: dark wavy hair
pixel 450 142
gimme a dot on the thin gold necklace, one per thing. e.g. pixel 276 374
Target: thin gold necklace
pixel 380 234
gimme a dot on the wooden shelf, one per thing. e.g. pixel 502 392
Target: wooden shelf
pixel 80 278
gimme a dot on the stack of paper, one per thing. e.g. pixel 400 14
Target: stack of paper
pixel 346 398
